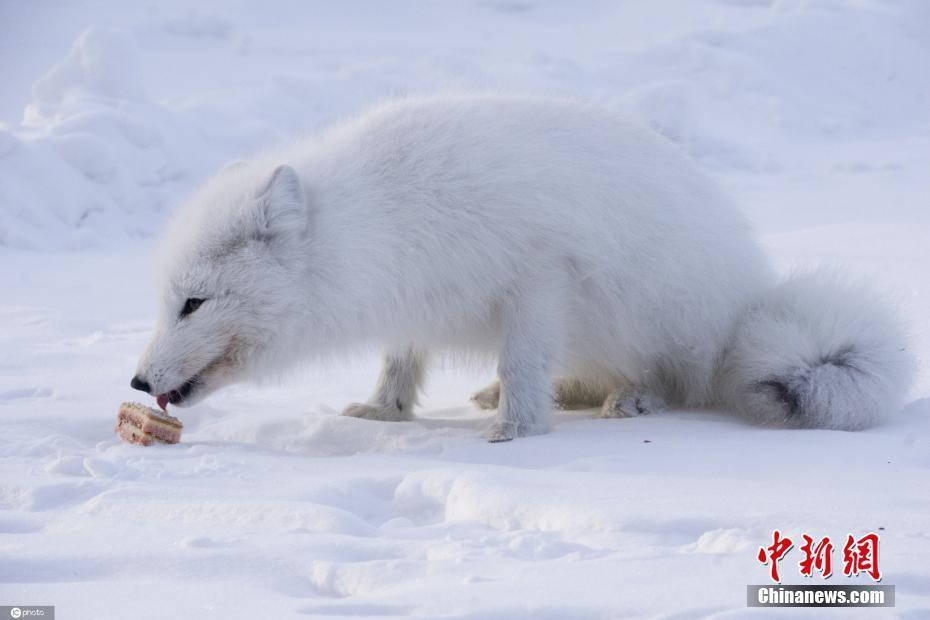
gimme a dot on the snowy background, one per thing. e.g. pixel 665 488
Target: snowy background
pixel 815 115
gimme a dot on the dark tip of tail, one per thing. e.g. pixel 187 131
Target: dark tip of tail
pixel 788 390
pixel 784 394
pixel 843 357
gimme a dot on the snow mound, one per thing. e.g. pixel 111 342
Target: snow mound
pixel 118 160
pixel 91 130
pixel 102 63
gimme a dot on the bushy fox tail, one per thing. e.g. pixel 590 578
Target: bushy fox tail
pixel 816 351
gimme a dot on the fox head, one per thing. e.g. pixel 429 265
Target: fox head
pixel 226 269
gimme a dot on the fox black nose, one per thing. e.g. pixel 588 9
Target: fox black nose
pixel 140 384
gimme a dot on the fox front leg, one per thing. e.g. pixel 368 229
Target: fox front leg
pixel 530 321
pixel 396 392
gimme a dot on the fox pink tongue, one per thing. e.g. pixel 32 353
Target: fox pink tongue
pixel 162 401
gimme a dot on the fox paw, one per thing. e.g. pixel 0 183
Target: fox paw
pixel 630 402
pixel 489 397
pixel 379 413
pixel 503 430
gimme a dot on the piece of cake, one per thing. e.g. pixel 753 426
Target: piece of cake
pixel 137 423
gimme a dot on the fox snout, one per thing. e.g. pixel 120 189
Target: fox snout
pixel 181 368
pixel 138 383
pixel 175 396
pixel 162 377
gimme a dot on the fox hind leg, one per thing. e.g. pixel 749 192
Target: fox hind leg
pixel 489 396
pixel 568 393
pixel 631 401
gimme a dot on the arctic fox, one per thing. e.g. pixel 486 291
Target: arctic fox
pixel 586 252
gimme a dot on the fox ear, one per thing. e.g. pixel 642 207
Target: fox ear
pixel 282 206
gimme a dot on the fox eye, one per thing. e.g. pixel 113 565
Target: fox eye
pixel 190 306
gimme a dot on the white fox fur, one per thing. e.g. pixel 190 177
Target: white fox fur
pixel 564 239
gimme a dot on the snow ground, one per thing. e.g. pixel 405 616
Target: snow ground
pixel 815 115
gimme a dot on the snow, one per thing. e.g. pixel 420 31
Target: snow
pixel 815 115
